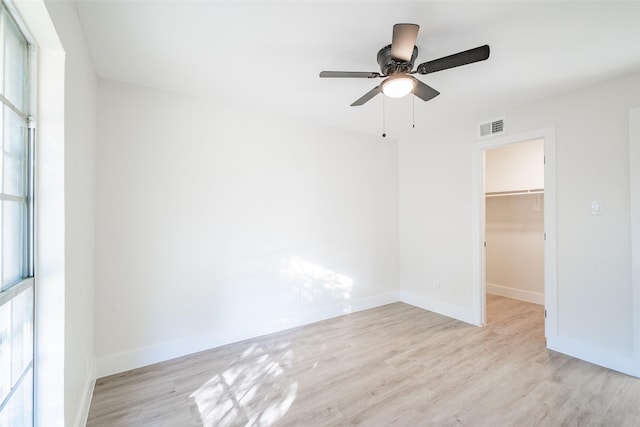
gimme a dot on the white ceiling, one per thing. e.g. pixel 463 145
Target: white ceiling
pixel 267 55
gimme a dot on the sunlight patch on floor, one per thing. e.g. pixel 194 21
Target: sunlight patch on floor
pixel 229 398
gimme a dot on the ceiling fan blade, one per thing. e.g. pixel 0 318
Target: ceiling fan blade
pixel 457 59
pixel 424 91
pixel 367 96
pixel 403 41
pixel 350 74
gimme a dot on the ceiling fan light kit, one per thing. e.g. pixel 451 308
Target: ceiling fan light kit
pixel 398 85
pixel 396 64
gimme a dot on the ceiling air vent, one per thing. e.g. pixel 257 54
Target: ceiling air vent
pixel 491 128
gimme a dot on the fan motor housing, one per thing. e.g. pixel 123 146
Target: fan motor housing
pixel 389 65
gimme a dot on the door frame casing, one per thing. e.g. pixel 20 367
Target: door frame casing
pixel 478 224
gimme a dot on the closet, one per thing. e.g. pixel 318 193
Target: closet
pixel 514 221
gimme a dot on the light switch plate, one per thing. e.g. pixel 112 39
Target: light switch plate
pixel 596 207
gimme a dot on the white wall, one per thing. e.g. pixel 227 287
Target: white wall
pixel 515 246
pixel 515 167
pixel 79 190
pixel 594 297
pixel 216 223
pixel 435 221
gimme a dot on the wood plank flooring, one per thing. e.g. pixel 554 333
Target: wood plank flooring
pixel 392 365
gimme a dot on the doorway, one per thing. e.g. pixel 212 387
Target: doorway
pixel 514 227
pixel 547 208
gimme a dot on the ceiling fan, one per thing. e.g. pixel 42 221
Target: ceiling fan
pixel 396 64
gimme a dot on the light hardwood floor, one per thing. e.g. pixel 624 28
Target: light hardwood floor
pixel 392 365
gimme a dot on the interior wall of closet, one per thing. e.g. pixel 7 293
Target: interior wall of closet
pixel 514 215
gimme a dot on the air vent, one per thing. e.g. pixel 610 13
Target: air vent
pixel 491 128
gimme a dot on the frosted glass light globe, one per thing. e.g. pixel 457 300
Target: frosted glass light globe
pixel 398 86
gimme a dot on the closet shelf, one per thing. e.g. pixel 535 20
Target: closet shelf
pixel 514 192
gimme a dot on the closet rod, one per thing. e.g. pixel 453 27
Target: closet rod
pixel 514 192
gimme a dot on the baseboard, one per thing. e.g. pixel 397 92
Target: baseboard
pixel 439 307
pixel 137 358
pixel 85 403
pixel 519 294
pixel 596 355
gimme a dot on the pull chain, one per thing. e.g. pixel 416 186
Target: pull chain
pixel 413 106
pixel 384 131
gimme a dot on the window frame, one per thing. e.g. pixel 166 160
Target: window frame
pixel 27 281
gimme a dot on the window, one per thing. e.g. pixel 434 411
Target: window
pixel 16 228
